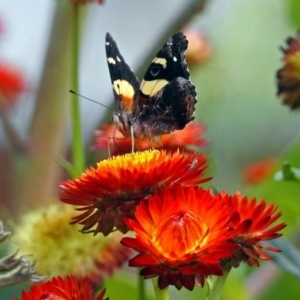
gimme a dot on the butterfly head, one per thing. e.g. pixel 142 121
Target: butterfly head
pixel 122 122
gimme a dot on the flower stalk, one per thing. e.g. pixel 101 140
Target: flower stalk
pixel 218 285
pixel 77 142
pixel 160 294
pixel 141 287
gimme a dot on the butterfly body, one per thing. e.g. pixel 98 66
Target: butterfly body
pixel 163 102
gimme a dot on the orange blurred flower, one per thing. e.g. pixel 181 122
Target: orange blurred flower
pixel 258 171
pixel 252 221
pixel 112 190
pixel 288 77
pixel 199 49
pixel 58 288
pixel 12 83
pixel 109 136
pixel 181 234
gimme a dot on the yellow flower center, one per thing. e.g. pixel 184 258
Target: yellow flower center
pixel 130 160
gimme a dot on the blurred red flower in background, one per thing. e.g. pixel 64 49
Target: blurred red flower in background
pixel 258 171
pixel 199 50
pixel 109 136
pixel 12 82
pixel 288 77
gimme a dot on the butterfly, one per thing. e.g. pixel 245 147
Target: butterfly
pixel 165 99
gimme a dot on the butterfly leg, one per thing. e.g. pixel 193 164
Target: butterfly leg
pixel 132 139
pixel 154 141
pixel 108 145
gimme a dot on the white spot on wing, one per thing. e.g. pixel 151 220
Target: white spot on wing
pixel 118 59
pixel 107 43
pixel 111 61
pixel 175 58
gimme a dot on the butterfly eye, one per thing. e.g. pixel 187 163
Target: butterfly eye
pixel 155 70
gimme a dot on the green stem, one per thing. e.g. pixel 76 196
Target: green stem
pixel 216 291
pixel 77 142
pixel 160 294
pixel 141 287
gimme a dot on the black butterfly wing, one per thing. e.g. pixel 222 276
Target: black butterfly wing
pixel 168 64
pixel 167 98
pixel 171 108
pixel 124 82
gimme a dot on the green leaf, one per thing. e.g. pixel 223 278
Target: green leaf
pixel 289 258
pixel 67 166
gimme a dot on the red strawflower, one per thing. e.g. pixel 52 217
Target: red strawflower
pixel 58 288
pixel 181 234
pixel 112 190
pixel 109 136
pixel 252 221
pixel 12 82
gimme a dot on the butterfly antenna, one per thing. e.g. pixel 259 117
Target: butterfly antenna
pixel 75 93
